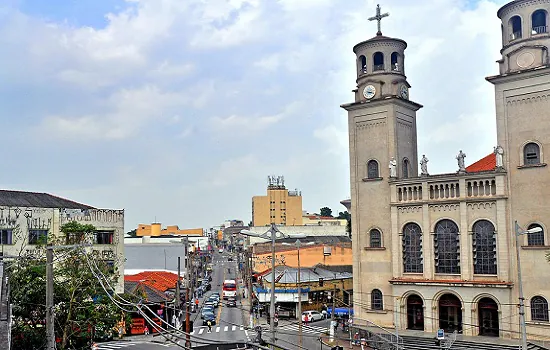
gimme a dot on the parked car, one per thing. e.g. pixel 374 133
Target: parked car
pixel 312 316
pixel 210 303
pixel 209 317
pixel 220 250
pixel 231 302
pixel 206 312
pixel 217 294
pixel 214 301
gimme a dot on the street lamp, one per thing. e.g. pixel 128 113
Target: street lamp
pixel 298 243
pixel 520 232
pixel 271 234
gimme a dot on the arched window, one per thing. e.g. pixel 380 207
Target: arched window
pixel 412 248
pixel 378 61
pixel 395 62
pixel 405 167
pixel 376 300
pixel 537 238
pixel 531 154
pixel 362 64
pixel 375 238
pixel 515 27
pixel 485 252
pixel 446 247
pixel 538 22
pixel 372 169
pixel 539 309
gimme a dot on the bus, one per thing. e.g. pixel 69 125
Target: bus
pixel 229 289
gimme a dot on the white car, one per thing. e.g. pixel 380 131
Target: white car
pixel 312 316
pixel 220 250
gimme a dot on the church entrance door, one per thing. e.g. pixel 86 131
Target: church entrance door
pixel 488 317
pixel 415 312
pixel 450 313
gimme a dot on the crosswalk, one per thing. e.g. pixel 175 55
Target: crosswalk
pixel 216 329
pixel 117 345
pixel 305 329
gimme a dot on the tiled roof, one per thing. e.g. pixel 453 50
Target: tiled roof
pixel 151 295
pixel 486 163
pixel 38 200
pixel 159 280
pixel 288 274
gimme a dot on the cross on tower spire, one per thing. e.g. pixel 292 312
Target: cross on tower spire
pixel 378 18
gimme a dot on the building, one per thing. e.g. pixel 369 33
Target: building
pixel 279 206
pixel 29 218
pixel 314 219
pixel 440 249
pixel 155 230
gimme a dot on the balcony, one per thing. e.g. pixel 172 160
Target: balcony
pixel 539 30
pixel 515 36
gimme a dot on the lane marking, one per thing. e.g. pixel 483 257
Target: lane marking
pixel 201 330
pixel 218 329
pixel 242 328
pixel 225 328
pixel 192 332
pixel 233 328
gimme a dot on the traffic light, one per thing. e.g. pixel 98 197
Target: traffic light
pixel 320 282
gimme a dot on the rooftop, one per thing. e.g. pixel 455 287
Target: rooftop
pixel 158 280
pixel 289 275
pixel 10 198
pixel 487 163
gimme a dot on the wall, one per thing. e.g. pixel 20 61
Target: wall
pixel 155 230
pixel 309 257
pixel 307 230
pixel 287 209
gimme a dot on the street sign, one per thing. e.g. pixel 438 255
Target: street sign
pixel 440 334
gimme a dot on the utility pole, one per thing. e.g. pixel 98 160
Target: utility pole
pixel 50 333
pixel 298 243
pixel 187 299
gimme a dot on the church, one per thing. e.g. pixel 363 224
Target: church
pixel 441 251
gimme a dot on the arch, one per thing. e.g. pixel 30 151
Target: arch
pixel 378 61
pixel 531 153
pixel 376 300
pixel 450 312
pixel 375 238
pixel 415 312
pixel 484 248
pixel 362 61
pixel 535 239
pixel 488 323
pixel 447 247
pixel 395 64
pixel 539 22
pixel 412 249
pixel 515 29
pixel 405 167
pixel 373 171
pixel 539 309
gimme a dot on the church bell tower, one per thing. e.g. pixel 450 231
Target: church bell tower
pixel 382 128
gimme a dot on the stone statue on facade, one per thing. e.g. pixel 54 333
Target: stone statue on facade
pixel 460 158
pixel 393 167
pixel 499 155
pixel 424 165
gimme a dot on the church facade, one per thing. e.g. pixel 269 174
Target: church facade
pixel 438 251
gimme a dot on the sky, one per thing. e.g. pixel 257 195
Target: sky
pixel 177 111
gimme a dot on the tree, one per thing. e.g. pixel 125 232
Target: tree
pixel 132 233
pixel 346 215
pixel 80 302
pixel 326 211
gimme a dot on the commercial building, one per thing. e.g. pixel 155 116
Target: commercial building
pixel 279 206
pixel 155 230
pixel 439 249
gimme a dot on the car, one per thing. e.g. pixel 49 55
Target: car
pixel 231 302
pixel 217 294
pixel 209 317
pixel 210 303
pixel 312 316
pixel 213 301
pixel 205 313
pixel 220 250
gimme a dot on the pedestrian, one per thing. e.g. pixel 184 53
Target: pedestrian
pixel 94 346
pixel 306 319
pixel 356 338
pixel 209 324
pixel 146 330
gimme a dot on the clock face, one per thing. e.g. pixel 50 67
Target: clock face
pixel 369 91
pixel 404 92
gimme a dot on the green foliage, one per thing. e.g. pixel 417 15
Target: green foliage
pixel 80 303
pixel 132 233
pixel 344 215
pixel 326 211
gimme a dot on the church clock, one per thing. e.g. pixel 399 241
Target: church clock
pixel 369 91
pixel 404 92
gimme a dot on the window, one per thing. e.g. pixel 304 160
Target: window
pixel 395 62
pixel 362 64
pixel 375 238
pixel 515 27
pixel 446 247
pixel 531 154
pixel 485 248
pixel 537 238
pixel 538 21
pixel 6 236
pixel 412 248
pixel 406 165
pixel 372 169
pixel 38 236
pixel 104 237
pixel 376 301
pixel 539 309
pixel 378 61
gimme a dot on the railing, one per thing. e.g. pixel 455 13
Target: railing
pixel 444 190
pixel 409 193
pixel 539 30
pixel 515 35
pixel 378 67
pixel 481 188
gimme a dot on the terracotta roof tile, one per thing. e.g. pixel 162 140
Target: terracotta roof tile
pixel 159 280
pixel 486 163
